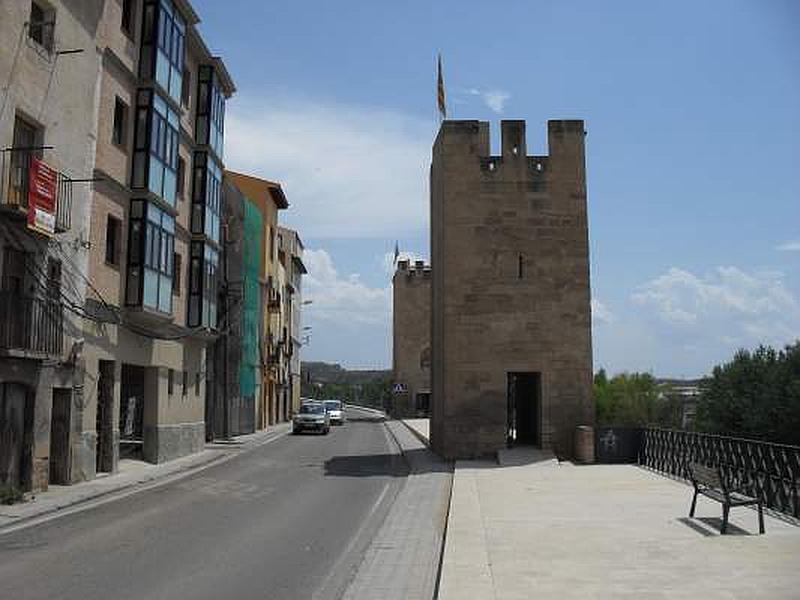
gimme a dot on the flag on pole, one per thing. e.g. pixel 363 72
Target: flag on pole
pixel 396 253
pixel 440 91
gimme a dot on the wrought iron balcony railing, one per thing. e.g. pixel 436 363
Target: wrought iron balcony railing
pixel 15 192
pixel 768 471
pixel 31 324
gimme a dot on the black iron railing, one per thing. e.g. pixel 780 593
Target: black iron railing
pixel 31 324
pixel 15 165
pixel 768 471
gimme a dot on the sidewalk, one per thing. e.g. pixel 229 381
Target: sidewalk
pixel 132 475
pixel 599 531
pixel 402 562
pixel 549 530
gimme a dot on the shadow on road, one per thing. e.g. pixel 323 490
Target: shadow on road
pixel 392 465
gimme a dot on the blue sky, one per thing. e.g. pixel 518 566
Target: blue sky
pixel 693 153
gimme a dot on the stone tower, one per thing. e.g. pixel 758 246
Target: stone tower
pixel 511 319
pixel 411 348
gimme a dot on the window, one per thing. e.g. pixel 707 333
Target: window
pixel 210 125
pixel 181 177
pixel 155 152
pixel 27 144
pixel 170 381
pixel 197 383
pixel 176 279
pixel 206 196
pixel 185 383
pixel 151 248
pixel 127 20
pixel 119 133
pixel 54 279
pixel 113 228
pixel 185 87
pixel 14 262
pixel 203 283
pixel 41 25
pixel 163 46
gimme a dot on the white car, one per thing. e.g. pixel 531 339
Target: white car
pixel 311 416
pixel 335 411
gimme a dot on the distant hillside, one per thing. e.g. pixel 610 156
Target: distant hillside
pixel 322 372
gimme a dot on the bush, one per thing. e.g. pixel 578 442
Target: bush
pixel 10 494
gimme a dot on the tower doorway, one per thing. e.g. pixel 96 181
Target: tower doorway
pixel 524 409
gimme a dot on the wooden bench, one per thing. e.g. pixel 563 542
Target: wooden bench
pixel 710 482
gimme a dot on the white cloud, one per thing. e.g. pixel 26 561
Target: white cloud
pixel 729 306
pixel 344 300
pixel 601 313
pixel 347 171
pixel 790 246
pixel 494 99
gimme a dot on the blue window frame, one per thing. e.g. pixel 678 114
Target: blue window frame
pixel 203 286
pixel 155 152
pixel 210 123
pixel 163 46
pixel 206 197
pixel 151 254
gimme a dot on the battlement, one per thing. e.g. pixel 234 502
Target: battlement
pixel 419 269
pixel 565 140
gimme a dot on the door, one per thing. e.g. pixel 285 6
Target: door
pixel 59 436
pixel 16 435
pixel 524 405
pixel 104 422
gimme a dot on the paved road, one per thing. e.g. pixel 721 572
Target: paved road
pixel 290 519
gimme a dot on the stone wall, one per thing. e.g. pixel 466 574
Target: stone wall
pixel 411 335
pixel 510 255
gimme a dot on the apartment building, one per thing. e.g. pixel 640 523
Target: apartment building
pixel 50 71
pixel 155 235
pixel 273 403
pixel 290 255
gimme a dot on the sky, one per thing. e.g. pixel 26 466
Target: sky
pixel 693 153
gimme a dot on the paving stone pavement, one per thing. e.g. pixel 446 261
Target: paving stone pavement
pixel 402 562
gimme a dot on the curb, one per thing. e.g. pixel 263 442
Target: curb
pixel 416 433
pixel 129 488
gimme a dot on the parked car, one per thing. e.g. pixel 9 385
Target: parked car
pixel 335 411
pixel 312 416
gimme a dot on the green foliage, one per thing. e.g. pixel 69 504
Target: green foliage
pixel 635 400
pixel 375 392
pixel 10 494
pixel 755 395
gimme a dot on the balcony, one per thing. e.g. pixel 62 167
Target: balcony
pixel 30 325
pixel 15 192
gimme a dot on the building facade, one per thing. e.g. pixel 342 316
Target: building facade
pixel 511 320
pixel 50 69
pixel 290 254
pixel 155 234
pixel 272 405
pixel 411 339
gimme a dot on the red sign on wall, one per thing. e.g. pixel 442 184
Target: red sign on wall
pixel 42 186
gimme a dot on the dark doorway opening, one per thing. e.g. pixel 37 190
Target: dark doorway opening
pixel 423 404
pixel 60 427
pixel 524 405
pixel 104 422
pixel 131 412
pixel 16 435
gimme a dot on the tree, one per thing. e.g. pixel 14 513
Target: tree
pixel 634 400
pixel 755 395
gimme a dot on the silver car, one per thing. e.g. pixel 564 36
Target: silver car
pixel 335 411
pixel 312 416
